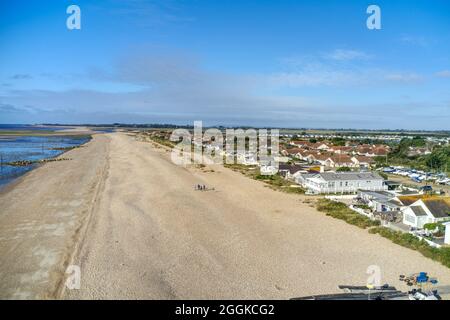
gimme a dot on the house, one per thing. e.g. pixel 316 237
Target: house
pixel 288 170
pixel 363 149
pixel 322 146
pixel 248 159
pixel 418 151
pixel 427 210
pixel 447 232
pixel 319 158
pixel 341 149
pixel 372 151
pixel 293 152
pixel 381 151
pixel 311 145
pixel 312 156
pixel 393 185
pixel 380 201
pixel 337 161
pixel 342 182
pixel 362 161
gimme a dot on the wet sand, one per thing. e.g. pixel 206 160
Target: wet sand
pixel 132 221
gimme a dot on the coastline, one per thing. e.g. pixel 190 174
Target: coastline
pixel 41 213
pixel 116 206
pixel 37 163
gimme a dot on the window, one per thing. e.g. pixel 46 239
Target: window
pixel 410 219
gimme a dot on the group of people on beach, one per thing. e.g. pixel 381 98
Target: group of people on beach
pixel 200 187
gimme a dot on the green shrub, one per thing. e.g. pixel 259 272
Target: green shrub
pixel 339 210
pixel 408 240
pixel 430 226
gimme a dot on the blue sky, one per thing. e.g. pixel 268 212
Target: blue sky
pixel 262 63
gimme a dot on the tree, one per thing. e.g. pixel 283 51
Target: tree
pixel 338 141
pixel 343 169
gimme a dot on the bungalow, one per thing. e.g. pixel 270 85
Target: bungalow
pixel 372 151
pixel 427 210
pixel 293 152
pixel 311 145
pixel 315 157
pixel 337 161
pixel 380 201
pixel 341 149
pixel 381 151
pixel 363 149
pixel 288 170
pixel 362 161
pixel 322 146
pixel 340 182
pixel 248 159
pixel 310 156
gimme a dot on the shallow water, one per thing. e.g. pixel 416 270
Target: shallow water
pixel 30 148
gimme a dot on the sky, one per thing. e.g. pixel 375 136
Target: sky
pixel 300 64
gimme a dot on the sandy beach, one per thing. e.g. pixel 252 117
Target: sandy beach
pixel 133 223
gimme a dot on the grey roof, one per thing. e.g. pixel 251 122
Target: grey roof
pixel 394 203
pixel 333 176
pixel 288 167
pixel 307 175
pixel 378 194
pixel 418 211
pixel 439 208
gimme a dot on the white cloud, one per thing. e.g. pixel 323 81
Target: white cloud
pixel 443 74
pixel 178 89
pixel 347 55
pixel 314 78
pixel 404 77
pixel 414 40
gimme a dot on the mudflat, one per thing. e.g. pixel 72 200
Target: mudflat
pixel 134 224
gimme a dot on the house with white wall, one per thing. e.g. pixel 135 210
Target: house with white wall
pixel 342 182
pixel 337 161
pixel 427 210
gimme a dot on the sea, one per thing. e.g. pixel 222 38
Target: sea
pixel 24 147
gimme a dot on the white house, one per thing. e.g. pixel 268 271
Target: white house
pixel 288 171
pixel 447 232
pixel 248 159
pixel 363 161
pixel 337 161
pixel 427 210
pixel 380 201
pixel 342 182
